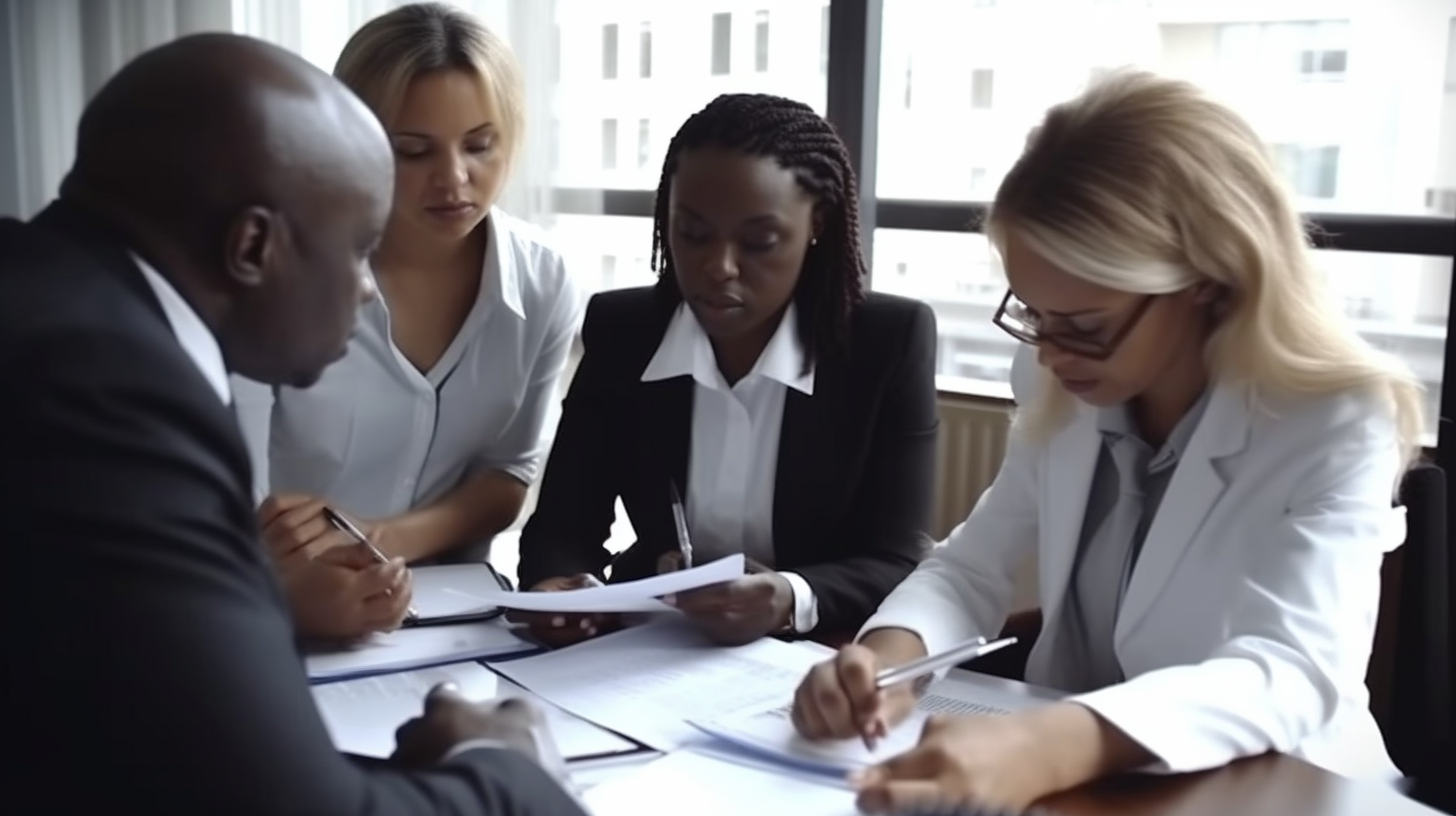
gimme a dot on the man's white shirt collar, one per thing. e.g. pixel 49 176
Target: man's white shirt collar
pixel 192 334
pixel 686 351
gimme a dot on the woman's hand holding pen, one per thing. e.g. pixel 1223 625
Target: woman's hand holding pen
pixel 839 698
pixel 295 527
pixel 346 594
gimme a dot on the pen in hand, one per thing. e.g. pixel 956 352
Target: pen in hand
pixel 348 528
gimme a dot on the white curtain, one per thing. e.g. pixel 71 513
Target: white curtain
pixel 54 54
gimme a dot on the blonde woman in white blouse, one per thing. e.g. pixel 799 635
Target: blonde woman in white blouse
pixel 428 432
pixel 1205 470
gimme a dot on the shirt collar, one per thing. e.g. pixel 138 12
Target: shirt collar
pixel 192 334
pixel 502 259
pixel 1115 422
pixel 685 351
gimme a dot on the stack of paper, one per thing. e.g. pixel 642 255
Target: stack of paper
pixel 416 648
pixel 648 681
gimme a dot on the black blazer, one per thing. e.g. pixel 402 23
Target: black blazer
pixel 150 662
pixel 853 490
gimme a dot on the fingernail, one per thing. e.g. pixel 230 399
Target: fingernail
pixel 585 623
pixel 591 631
pixel 558 621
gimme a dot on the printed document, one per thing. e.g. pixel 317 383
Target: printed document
pixel 714 787
pixel 647 681
pixel 362 714
pixel 632 596
pixel 770 733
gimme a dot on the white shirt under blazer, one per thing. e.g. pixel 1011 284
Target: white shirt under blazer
pixel 380 437
pixel 1248 622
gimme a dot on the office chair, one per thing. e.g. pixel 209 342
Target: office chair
pixel 1419 711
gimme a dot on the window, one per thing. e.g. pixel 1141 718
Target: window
pixel 722 43
pixel 1333 140
pixel 609 51
pixel 677 40
pixel 760 42
pixel 983 84
pixel 644 52
pixel 554 147
pixel 644 140
pixel 1322 65
pixel 609 144
pixel 824 41
pixel 1311 171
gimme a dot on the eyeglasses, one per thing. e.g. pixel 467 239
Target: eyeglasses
pixel 1018 320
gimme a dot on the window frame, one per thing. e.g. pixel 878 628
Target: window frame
pixel 853 105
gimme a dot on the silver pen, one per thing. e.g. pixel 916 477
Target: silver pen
pixel 349 529
pixel 960 653
pixel 680 521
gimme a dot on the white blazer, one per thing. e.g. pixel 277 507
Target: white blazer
pixel 1247 624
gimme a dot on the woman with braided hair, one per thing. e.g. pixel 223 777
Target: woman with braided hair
pixel 793 412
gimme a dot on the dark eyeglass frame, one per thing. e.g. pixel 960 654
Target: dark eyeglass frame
pixel 1072 344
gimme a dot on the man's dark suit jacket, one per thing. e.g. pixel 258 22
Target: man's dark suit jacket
pixel 856 463
pixel 149 656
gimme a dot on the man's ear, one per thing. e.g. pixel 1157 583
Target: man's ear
pixel 252 241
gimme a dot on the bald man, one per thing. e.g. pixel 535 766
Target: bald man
pixel 224 198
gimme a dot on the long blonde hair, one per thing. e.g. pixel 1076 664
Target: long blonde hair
pixel 1144 184
pixel 391 50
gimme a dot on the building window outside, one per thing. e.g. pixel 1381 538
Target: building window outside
pixel 644 52
pixel 609 51
pixel 983 87
pixel 760 42
pixel 609 144
pixel 722 54
pixel 1312 172
pixel 644 143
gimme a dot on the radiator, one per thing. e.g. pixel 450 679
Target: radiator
pixel 972 442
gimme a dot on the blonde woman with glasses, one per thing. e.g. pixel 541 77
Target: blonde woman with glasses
pixel 426 435
pixel 1204 466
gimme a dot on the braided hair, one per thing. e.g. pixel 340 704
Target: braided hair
pixel 831 281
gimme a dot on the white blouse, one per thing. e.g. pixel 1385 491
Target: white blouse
pixel 380 438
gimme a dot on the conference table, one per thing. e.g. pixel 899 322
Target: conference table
pixel 1273 784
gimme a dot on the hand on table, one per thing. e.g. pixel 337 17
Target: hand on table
pixel 735 612
pixel 449 720
pixel 558 629
pixel 997 763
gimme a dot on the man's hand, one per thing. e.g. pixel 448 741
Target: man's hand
pixel 739 611
pixel 449 720
pixel 558 629
pixel 345 594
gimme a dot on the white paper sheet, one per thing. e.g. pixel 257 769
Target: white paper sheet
pixel 632 596
pixel 698 782
pixel 415 648
pixel 647 681
pixel 450 590
pixel 579 740
pixel 771 734
pixel 362 714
